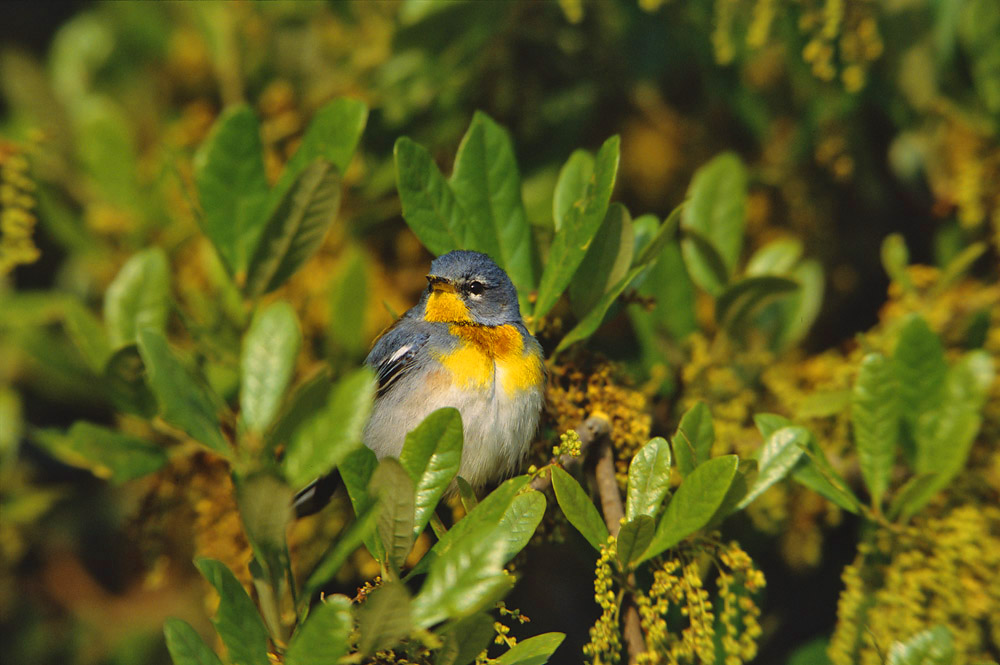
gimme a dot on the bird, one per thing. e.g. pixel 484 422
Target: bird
pixel 463 345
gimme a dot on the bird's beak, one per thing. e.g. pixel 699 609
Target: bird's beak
pixel 441 284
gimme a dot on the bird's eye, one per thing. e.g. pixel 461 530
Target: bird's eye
pixel 476 288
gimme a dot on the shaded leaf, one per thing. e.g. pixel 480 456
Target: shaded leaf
pixel 384 618
pixel 465 639
pixel 914 495
pixel 578 508
pixel 648 479
pixel 88 335
pixel 740 300
pixel 467 494
pixel 138 297
pixel 124 381
pixel 237 621
pixel 431 456
pixel 310 396
pixel 701 258
pixel 875 421
pixel 270 348
pixel 775 459
pixel 356 471
pixel 348 302
pixel 394 489
pixel 571 184
pixel 633 539
pixel 430 208
pixel 606 262
pixel 694 438
pixel 325 636
pixel 105 452
pixel 800 309
pixel 920 368
pixel 265 504
pixel 532 651
pixel 186 646
pixel 347 542
pixel 815 472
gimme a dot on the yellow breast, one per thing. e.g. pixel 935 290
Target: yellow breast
pixel 486 354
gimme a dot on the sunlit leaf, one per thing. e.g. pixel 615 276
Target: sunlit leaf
pixel 88 335
pixel 694 438
pixel 775 459
pixel 270 348
pixel 430 207
pixel 394 489
pixel 606 262
pixel 532 651
pixel 325 636
pixel 571 184
pixel 186 646
pixel 138 297
pixel 237 621
pixel 578 508
pixel 431 456
pixel 648 479
pixel 107 453
pixel 934 646
pixel 875 421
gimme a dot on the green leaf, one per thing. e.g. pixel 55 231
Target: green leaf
pixel 694 438
pixel 265 504
pixel 648 479
pixel 694 503
pixel 185 400
pixel 232 186
pixel 532 651
pixel 705 265
pixel 920 368
pixel 356 471
pixel 348 303
pixel 668 284
pixel 815 472
pixel 237 621
pixel 896 259
pixel 309 397
pixel 487 185
pixel 571 185
pixel 138 297
pixel 88 335
pixel 776 458
pixel 800 309
pixel 467 494
pixel 578 508
pixel 431 456
pixel 465 639
pixel 104 452
pixel 325 439
pixel 633 539
pixel 124 381
pixel 347 542
pixel 934 646
pixel 823 404
pixel 430 208
pixel 578 228
pixel 519 521
pixel 394 489
pixel 384 618
pixel 186 646
pixel 716 211
pixel 295 229
pixel 325 636
pixel 914 495
pixel 463 579
pixel 875 420
pixel 746 475
pixel 740 300
pixel 606 262
pixel 270 348
pixel 777 257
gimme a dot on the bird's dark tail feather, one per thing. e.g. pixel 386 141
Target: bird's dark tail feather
pixel 313 497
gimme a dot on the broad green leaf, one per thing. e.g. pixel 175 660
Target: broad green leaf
pixel 138 297
pixel 394 489
pixel 431 456
pixel 934 646
pixel 746 476
pixel 633 539
pixel 237 621
pixel 571 185
pixel 668 283
pixel 519 521
pixel 465 639
pixel 648 479
pixel 347 542
pixel 875 421
pixel 815 472
pixel 348 303
pixel 800 309
pixel 812 653
pixel 920 368
pixel 323 441
pixel 384 618
pixel 106 453
pixel 270 348
pixel 694 438
pixel 487 184
pixel 532 651
pixel 775 459
pixel 356 471
pixel 88 335
pixel 125 384
pixel 185 400
pixel 487 513
pixel 823 404
pixel 958 266
pixel 716 210
pixel 578 508
pixel 467 494
pixel 578 228
pixel 186 646
pixel 777 257
pixel 769 423
pixel 309 397
pixel 606 262
pixel 325 636
pixel 463 579
pixel 914 495
pixel 265 504
pixel 430 207
pixel 232 186
pixel 694 503
pixel 295 229
pixel 896 259
pixel 703 262
pixel 740 300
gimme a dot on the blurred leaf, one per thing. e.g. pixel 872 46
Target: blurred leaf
pixel 326 438
pixel 232 186
pixel 295 229
pixel 920 368
pixel 815 472
pixel 694 503
pixel 934 646
pixel 776 458
pixel 694 438
pixel 716 211
pixel 184 399
pixel 778 257
pixel 384 618
pixel 430 208
pixel 875 421
pixel 701 258
pixel 270 349
pixel 606 262
pixel 105 452
pixel 467 494
pixel 347 542
pixel 431 456
pixel 325 636
pixel 648 479
pixel 633 539
pixel 578 228
pixel 896 259
pixel 578 508
pixel 914 495
pixel 394 489
pixel 265 504
pixel 532 651
pixel 465 639
pixel 746 476
pixel 348 302
pixel 186 646
pixel 488 188
pixel 88 335
pixel 668 283
pixel 105 147
pixel 958 266
pixel 812 653
pixel 978 27
pixel 800 309
pixel 356 471
pixel 237 621
pixel 571 184
pixel 823 404
pixel 124 380
pixel 741 299
pixel 139 297
pixel 307 399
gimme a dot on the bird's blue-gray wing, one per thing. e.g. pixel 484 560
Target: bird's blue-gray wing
pixel 395 354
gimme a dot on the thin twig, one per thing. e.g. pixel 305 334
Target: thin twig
pixel 593 429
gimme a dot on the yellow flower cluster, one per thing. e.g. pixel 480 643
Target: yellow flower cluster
pixel 569 444
pixel 17 201
pixel 941 571
pixel 605 635
pixel 844 31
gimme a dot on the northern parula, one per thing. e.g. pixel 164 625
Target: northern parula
pixel 463 345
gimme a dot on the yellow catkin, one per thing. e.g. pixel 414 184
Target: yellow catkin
pixel 17 203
